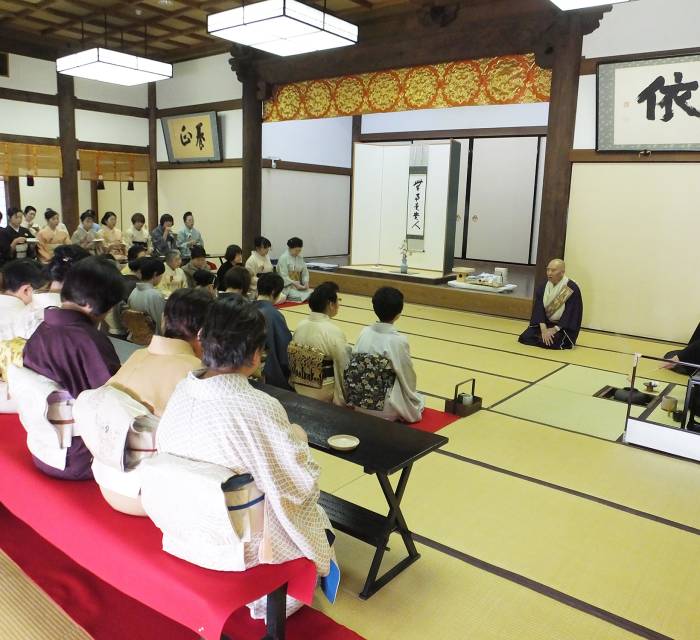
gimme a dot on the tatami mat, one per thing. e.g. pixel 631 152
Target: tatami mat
pixel 27 613
pixel 640 570
pixel 639 479
pixel 443 598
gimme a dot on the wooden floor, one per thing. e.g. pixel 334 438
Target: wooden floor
pixel 534 522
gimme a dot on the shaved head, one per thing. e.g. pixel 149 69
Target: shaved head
pixel 555 270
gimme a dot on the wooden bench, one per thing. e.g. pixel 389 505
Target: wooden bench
pixel 126 552
pixel 385 448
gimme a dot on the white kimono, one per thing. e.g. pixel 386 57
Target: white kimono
pixel 403 402
pixel 18 320
pixel 318 331
pixel 257 264
pixel 224 421
pixel 293 269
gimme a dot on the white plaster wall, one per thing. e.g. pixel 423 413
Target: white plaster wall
pixel 645 25
pixel 30 74
pixel 585 133
pixel 312 206
pixel 27 119
pixel 486 117
pixel 197 81
pixel 324 141
pixel 45 194
pixel 111 93
pixel 91 126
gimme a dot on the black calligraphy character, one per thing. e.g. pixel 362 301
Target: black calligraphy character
pixel 185 136
pixel 679 93
pixel 200 136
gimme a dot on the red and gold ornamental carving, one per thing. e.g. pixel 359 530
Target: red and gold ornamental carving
pixel 503 80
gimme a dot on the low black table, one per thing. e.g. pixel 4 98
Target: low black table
pixel 385 448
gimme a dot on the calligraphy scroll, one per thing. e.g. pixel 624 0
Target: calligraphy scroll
pixel 649 105
pixel 415 212
pixel 192 138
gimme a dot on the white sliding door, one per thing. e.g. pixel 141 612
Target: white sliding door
pixel 501 201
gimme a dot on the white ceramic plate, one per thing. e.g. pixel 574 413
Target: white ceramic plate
pixel 343 442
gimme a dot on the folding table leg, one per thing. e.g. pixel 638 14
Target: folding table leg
pixel 276 613
pixel 394 521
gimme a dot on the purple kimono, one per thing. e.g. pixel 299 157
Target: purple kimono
pixel 69 349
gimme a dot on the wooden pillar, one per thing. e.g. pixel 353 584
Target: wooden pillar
pixel 560 139
pixel 69 151
pixel 252 161
pixel 356 133
pixel 152 157
pixel 12 197
pixel 94 198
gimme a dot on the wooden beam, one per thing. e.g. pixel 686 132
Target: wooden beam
pixel 590 65
pixel 252 161
pixel 356 136
pixel 285 165
pixel 152 157
pixel 560 138
pixel 591 155
pixel 222 105
pixel 69 151
pixel 116 109
pixel 28 96
pixel 11 137
pixel 107 146
pixel 229 163
pixel 446 134
pixel 406 41
pixel 12 194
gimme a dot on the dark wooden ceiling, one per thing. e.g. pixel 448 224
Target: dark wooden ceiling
pixel 176 28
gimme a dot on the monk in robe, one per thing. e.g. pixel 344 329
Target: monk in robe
pixel 557 311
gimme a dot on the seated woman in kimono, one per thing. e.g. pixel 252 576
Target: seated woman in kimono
pixel 259 260
pixel 402 401
pixel 292 268
pixel 69 349
pixel 64 258
pixel 557 311
pixel 276 369
pixel 51 236
pixel 150 375
pixel 232 258
pixel 174 277
pixel 216 416
pixel 319 351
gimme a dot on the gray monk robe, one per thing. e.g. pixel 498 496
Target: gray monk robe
pixel 556 305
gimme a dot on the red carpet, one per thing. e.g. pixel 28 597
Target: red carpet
pixel 103 610
pixel 434 420
pixel 107 614
pixel 284 305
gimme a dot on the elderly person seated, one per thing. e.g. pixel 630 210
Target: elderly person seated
pixel 150 375
pixel 204 281
pixel 276 369
pixel 198 260
pixel 557 311
pixel 215 416
pixel 173 276
pixel 319 351
pixel 86 235
pixel 381 339
pixel 69 350
pixel 292 268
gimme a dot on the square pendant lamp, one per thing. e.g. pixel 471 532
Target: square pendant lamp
pixel 571 5
pixel 115 67
pixel 282 27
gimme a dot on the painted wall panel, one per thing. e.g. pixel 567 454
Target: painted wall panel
pixel 631 246
pixel 213 195
pixel 312 206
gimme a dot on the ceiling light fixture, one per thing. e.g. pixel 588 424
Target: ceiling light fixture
pixel 115 67
pixel 571 5
pixel 282 27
